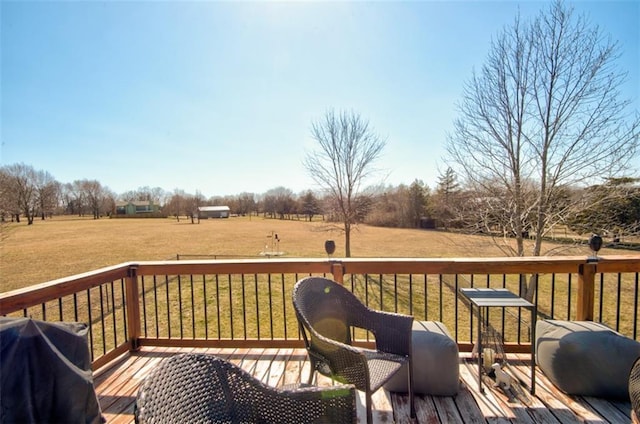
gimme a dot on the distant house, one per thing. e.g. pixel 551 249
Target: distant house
pixel 136 207
pixel 205 212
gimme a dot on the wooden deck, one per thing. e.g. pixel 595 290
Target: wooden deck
pixel 117 385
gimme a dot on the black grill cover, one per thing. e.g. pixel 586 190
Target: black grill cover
pixel 45 369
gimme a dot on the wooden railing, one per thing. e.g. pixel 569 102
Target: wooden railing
pixel 247 303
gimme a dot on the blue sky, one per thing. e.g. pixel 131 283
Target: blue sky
pixel 219 97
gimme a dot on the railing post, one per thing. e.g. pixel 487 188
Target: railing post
pixel 337 269
pixel 133 307
pixel 586 292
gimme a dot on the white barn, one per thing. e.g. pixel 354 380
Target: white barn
pixel 205 212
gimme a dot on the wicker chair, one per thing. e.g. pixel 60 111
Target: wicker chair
pixel 327 312
pixel 199 388
pixel 634 391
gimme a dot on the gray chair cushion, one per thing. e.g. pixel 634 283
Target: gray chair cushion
pixel 585 358
pixel 436 363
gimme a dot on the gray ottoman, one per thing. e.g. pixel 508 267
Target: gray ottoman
pixel 436 365
pixel 585 358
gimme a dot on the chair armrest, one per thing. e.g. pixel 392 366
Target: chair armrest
pixel 392 331
pixel 348 363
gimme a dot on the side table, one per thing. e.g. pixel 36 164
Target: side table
pixel 485 298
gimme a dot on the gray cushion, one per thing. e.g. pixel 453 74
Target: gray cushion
pixel 436 364
pixel 45 373
pixel 585 358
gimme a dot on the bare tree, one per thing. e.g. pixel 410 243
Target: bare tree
pixel 348 148
pixel 386 206
pixel 92 191
pixel 177 204
pixel 20 192
pixel 279 202
pixel 9 202
pixel 47 191
pixel 246 203
pixel 192 203
pixel 542 115
pixel 79 199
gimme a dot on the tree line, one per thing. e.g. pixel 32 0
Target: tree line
pixel 611 208
pixel 29 193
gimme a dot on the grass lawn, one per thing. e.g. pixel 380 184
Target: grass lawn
pixel 64 246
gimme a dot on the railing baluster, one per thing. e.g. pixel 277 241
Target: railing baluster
pixel 180 312
pixel 144 306
pixel 455 308
pixel 425 297
pixel 635 307
pixel 90 322
pixel 553 294
pixel 270 306
pixel 257 296
pixel 410 294
pixel 205 304
pixel 618 301
pixel 395 292
pixel 124 310
pixel 193 308
pixel 166 287
pixel 104 347
pixel 113 315
pixel 502 324
pixel 601 302
pixel 284 306
pixel 519 329
pixel 231 303
pixel 60 314
pixel 155 303
pixel 569 296
pixel 381 279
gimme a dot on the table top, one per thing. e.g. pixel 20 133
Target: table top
pixel 487 297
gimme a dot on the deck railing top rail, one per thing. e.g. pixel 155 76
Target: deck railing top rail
pixel 245 302
pixel 28 296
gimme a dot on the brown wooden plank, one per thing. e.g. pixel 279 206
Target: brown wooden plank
pixel 117 385
pixel 509 400
pixel 381 406
pixel 294 372
pixel 447 410
pixel 544 402
pixel 607 409
pixel 425 410
pixel 485 401
pixel 526 406
pixel 112 385
pixel 275 376
pixel 582 412
pixel 469 409
pixel 263 363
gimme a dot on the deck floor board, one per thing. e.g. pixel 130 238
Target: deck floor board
pixel 117 384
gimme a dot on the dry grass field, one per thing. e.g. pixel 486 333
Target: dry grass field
pixel 64 246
